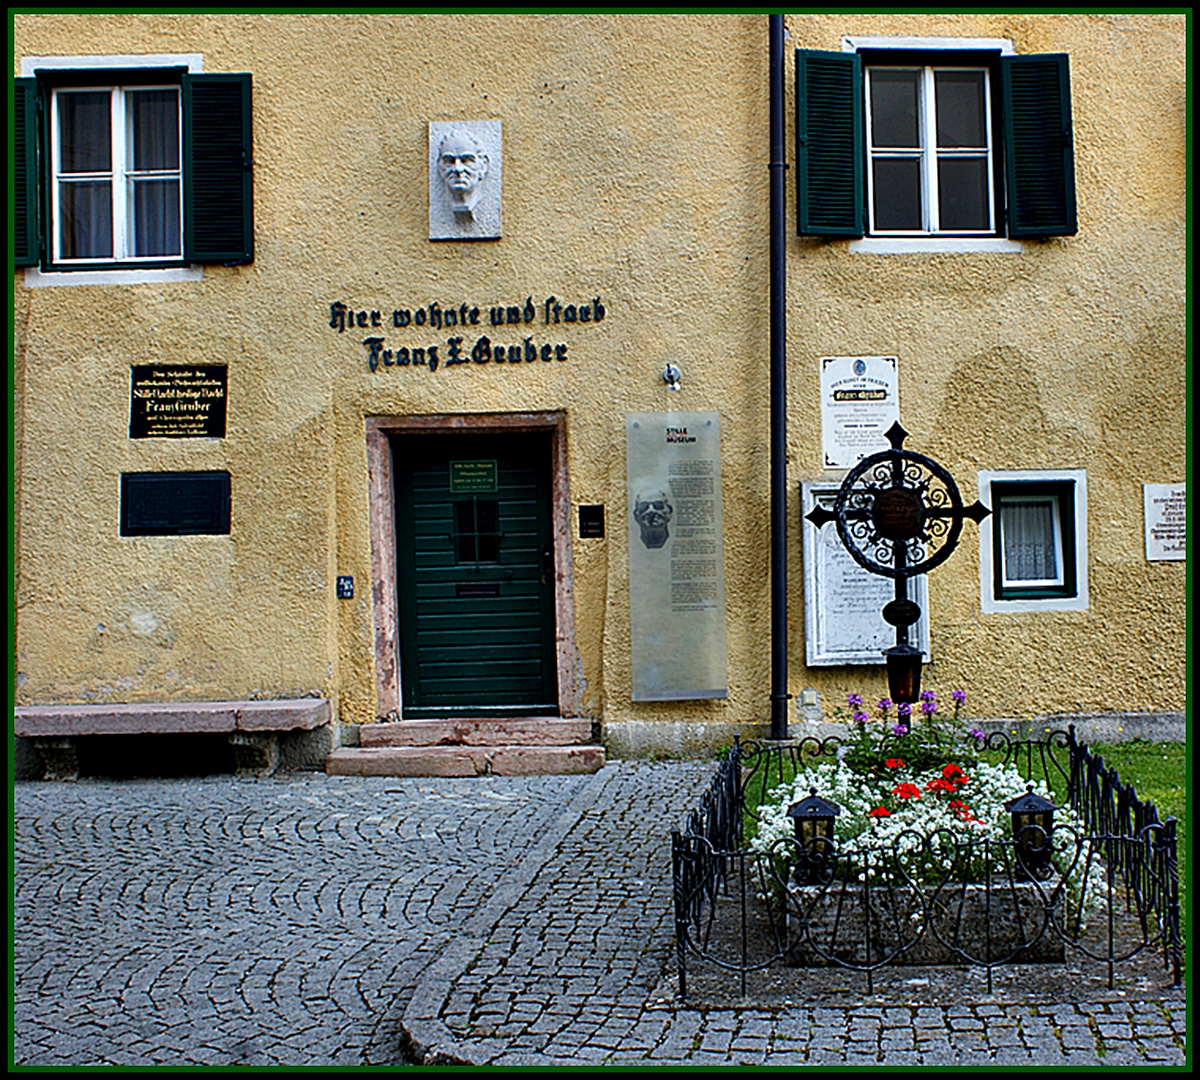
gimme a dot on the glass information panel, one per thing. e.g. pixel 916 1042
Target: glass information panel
pixel 676 556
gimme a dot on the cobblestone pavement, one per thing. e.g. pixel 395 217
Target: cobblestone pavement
pixel 309 920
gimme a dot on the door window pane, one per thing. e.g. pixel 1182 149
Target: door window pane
pixel 477 531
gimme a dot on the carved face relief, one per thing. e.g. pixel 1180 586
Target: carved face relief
pixel 462 164
pixel 652 512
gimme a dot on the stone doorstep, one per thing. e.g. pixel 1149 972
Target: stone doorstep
pixel 58 721
pixel 464 760
pixel 484 731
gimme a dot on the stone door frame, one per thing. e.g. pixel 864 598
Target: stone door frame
pixel 380 473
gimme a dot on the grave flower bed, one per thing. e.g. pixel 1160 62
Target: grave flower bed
pixel 901 851
pixel 923 863
pixel 902 786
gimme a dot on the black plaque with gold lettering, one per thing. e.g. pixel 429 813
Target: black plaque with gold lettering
pixel 178 402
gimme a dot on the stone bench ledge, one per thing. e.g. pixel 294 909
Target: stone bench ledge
pixel 170 718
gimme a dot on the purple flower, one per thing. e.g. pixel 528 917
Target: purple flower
pixel 959 696
pixel 975 733
pixel 904 709
pixel 928 707
pixel 899 729
pixel 860 718
pixel 854 700
pixel 883 704
pixel 926 695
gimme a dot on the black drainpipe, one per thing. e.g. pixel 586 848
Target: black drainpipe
pixel 779 619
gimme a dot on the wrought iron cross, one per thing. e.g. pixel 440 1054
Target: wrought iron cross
pixel 899 514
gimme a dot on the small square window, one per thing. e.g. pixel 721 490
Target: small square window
pixel 1033 546
pixel 477 531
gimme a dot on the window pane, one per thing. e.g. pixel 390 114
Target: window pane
pixel 85 220
pixel 154 128
pixel 464 530
pixel 156 218
pixel 487 519
pixel 897 193
pixel 894 97
pixel 84 131
pixel 963 194
pixel 961 120
pixel 1028 528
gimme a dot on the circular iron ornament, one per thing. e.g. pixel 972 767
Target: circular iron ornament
pixel 902 505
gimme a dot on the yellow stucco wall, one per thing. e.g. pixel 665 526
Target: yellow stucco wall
pixel 635 170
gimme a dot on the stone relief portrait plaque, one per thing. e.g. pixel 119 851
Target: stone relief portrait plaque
pixel 465 170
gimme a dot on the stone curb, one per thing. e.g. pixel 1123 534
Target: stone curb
pixel 423 1033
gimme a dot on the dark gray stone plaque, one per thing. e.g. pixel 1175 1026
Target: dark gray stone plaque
pixel 175 503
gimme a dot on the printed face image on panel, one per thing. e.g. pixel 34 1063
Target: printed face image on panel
pixel 475 572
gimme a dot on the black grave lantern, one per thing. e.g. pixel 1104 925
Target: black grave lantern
pixel 904 673
pixel 1032 825
pixel 813 822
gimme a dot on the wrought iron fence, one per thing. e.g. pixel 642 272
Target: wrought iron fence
pixel 1107 888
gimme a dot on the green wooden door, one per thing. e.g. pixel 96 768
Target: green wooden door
pixel 475 574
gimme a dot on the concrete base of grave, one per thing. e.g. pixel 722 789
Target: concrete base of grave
pixel 972 924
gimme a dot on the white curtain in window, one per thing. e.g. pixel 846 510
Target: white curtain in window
pixel 154 138
pixel 1030 551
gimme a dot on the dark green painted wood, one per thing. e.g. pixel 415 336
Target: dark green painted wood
pixel 218 174
pixel 1039 146
pixel 482 654
pixel 25 173
pixel 830 199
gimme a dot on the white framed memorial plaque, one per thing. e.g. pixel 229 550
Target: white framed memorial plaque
pixel 860 400
pixel 676 556
pixel 1165 507
pixel 843 603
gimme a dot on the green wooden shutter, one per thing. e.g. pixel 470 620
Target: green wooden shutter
pixel 25 174
pixel 829 144
pixel 218 180
pixel 1039 146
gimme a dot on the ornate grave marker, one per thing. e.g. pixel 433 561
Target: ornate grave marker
pixel 899 514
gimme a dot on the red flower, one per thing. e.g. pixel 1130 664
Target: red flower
pixel 894 763
pixel 907 791
pixel 963 810
pixel 940 784
pixel 880 811
pixel 954 775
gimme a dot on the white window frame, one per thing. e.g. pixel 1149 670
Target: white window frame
pixel 989 603
pixel 35 277
pixel 121 175
pixel 1056 538
pixel 933 241
pixel 929 154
